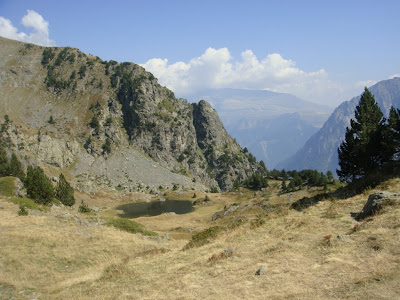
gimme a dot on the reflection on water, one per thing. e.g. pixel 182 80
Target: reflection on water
pixel 155 208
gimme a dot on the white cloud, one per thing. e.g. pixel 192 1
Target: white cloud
pixel 39 35
pixel 216 68
pixel 365 83
pixel 394 76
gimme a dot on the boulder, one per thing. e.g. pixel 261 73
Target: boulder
pixel 376 201
pixel 19 188
pixel 261 271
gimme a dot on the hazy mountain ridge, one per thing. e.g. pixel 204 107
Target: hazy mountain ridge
pixel 320 151
pixel 271 125
pixel 74 111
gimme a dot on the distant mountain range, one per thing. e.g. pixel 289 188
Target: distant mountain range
pixel 273 126
pixel 320 151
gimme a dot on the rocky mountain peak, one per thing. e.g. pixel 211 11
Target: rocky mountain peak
pixel 92 116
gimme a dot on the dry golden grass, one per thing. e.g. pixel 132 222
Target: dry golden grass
pixel 314 254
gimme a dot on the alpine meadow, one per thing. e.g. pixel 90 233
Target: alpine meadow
pixel 207 176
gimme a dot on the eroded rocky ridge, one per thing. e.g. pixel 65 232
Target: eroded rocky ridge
pixel 109 123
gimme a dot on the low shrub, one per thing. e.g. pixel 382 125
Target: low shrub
pixel 203 237
pixel 83 208
pixel 22 210
pixel 129 226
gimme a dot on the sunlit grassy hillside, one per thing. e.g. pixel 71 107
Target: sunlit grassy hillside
pixel 318 253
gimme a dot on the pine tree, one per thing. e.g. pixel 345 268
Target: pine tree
pixel 65 192
pixel 330 176
pixel 284 187
pixel 361 151
pixel 38 186
pixel 4 165
pixel 16 168
pixel 284 174
pixel 391 137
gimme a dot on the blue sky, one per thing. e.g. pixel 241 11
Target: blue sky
pixel 322 51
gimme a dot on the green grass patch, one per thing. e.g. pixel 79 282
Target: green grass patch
pixel 203 237
pixel 166 104
pixel 7 186
pixel 128 225
pixel 28 203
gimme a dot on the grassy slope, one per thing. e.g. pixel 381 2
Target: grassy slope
pixel 314 254
pixel 7 186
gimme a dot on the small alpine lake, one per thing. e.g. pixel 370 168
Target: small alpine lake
pixel 155 208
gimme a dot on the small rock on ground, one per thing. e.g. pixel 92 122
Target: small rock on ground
pixel 261 271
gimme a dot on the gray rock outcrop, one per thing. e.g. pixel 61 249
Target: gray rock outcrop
pixel 19 188
pixel 376 201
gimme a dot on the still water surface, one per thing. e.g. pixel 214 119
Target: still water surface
pixel 155 208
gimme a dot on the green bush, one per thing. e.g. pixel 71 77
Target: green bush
pixel 22 210
pixel 47 55
pixel 61 57
pixel 107 146
pixel 83 208
pixel 82 71
pixel 214 189
pixel 94 123
pixel 108 121
pixel 256 182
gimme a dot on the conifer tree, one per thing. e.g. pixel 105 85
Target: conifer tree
pixel 65 192
pixel 38 186
pixel 391 137
pixel 361 151
pixel 284 187
pixel 329 175
pixel 4 165
pixel 16 168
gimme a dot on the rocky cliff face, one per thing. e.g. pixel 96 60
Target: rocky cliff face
pixel 111 123
pixel 226 160
pixel 320 151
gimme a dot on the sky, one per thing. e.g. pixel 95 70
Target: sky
pixel 321 51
